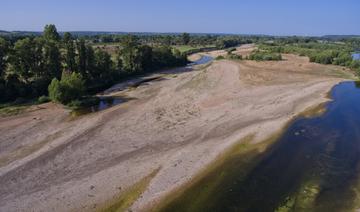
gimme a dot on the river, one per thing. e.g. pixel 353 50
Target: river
pixel 313 166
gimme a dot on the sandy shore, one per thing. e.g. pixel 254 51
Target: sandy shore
pixel 178 124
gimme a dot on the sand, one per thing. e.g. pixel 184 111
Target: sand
pixel 178 124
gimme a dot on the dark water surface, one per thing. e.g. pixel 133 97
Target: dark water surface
pixel 103 103
pixel 313 166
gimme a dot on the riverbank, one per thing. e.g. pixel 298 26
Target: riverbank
pixel 176 125
pixel 311 166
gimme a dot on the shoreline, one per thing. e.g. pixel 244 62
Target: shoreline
pixel 312 109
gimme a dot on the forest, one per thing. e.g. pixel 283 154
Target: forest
pixel 66 68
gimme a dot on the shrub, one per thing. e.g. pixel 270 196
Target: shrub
pixel 54 90
pixel 71 87
pixel 43 99
pixel 83 103
pixel 235 57
pixel 220 57
pixel 264 55
pixel 230 50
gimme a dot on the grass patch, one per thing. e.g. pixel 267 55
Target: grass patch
pixel 127 198
pixel 12 110
pixel 15 108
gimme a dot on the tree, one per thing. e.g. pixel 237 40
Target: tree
pixel 70 61
pixel 81 59
pixel 26 60
pixel 90 64
pixel 69 88
pixel 185 38
pixel 103 64
pixel 167 40
pixel 52 59
pixel 4 49
pixel 50 33
pixel 145 57
pixel 130 54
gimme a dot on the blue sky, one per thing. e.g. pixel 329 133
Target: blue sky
pixel 276 17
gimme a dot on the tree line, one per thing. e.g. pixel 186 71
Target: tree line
pixel 319 52
pixel 36 65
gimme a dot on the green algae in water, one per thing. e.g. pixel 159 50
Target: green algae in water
pixel 313 166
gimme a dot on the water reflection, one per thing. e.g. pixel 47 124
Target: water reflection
pixel 103 104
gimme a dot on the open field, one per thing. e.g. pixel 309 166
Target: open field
pixel 169 131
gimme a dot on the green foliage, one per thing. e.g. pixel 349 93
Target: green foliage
pixel 84 102
pixel 325 57
pixel 323 53
pixel 55 90
pixel 43 99
pixel 230 50
pixel 4 49
pixel 220 57
pixel 71 87
pixel 103 64
pixel 81 59
pixel 52 59
pixel 70 55
pixel 264 56
pixel 230 41
pixel 234 57
pixel 50 33
pixel 185 37
pixel 130 54
pixel 343 59
pixel 136 58
pixel 14 108
pixel 26 61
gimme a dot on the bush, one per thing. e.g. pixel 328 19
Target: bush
pixel 234 57
pixel 326 57
pixel 264 56
pixel 75 104
pixel 230 50
pixel 71 87
pixel 43 99
pixel 220 57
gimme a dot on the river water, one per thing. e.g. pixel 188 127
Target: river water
pixel 203 60
pixel 313 166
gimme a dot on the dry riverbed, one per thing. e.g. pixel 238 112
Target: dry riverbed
pixel 143 149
